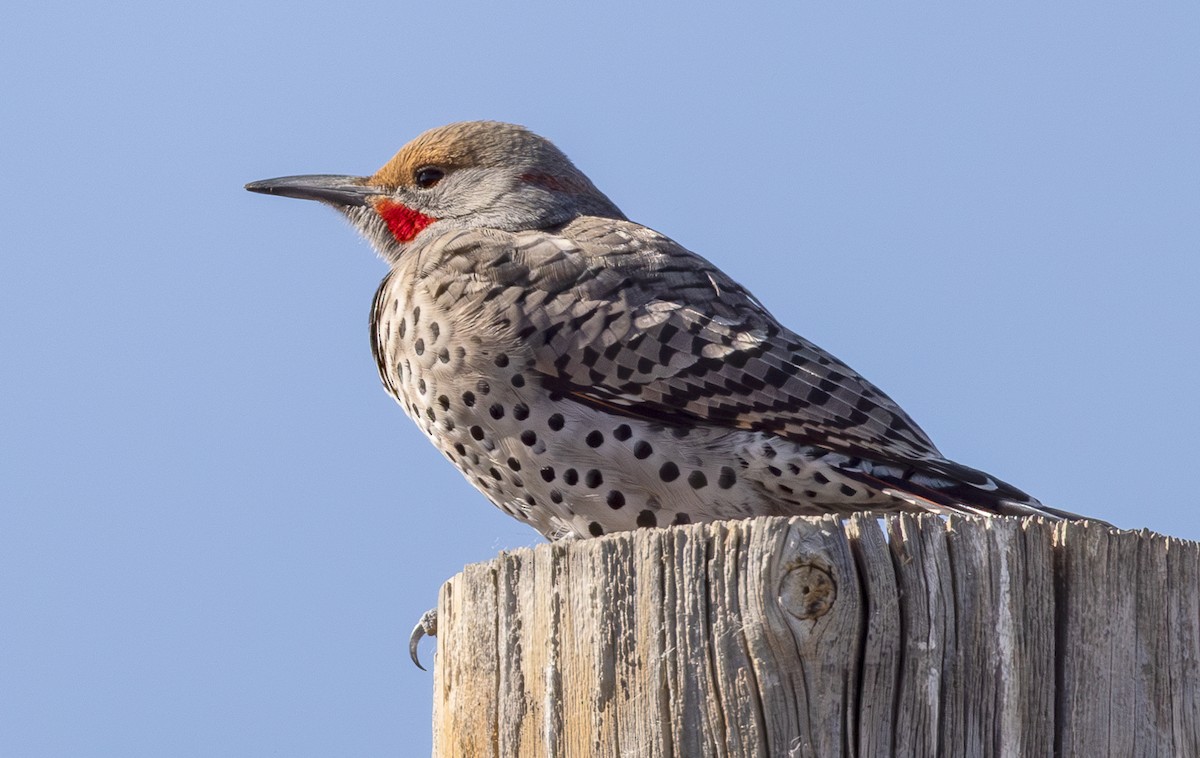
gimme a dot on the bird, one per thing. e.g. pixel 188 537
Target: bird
pixel 589 375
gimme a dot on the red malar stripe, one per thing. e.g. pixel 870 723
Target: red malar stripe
pixel 404 222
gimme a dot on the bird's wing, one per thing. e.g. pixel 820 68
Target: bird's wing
pixel 619 316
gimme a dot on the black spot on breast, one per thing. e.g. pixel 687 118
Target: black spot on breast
pixel 477 432
pixel 529 437
pixel 571 477
pixel 615 499
pixel 482 387
pixel 595 529
pixel 681 518
pixel 520 411
pixel 555 496
pixel 698 480
pixel 642 450
pixel 469 399
pixel 668 472
pixel 444 402
pixel 847 490
pixel 547 473
pixel 594 439
pixel 555 422
pixel 419 346
pixel 501 360
pixel 496 411
pixel 514 464
pixel 518 380
pixel 727 478
pixel 647 519
pixel 593 478
pixel 622 432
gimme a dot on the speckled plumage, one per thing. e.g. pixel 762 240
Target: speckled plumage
pixel 589 375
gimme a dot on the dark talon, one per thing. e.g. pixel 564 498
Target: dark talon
pixel 426 626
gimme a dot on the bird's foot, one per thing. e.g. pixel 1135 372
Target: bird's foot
pixel 427 626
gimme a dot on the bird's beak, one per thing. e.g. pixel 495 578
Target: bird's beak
pixel 335 190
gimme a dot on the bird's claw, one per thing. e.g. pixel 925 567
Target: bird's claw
pixel 427 626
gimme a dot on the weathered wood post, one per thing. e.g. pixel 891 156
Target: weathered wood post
pixel 813 636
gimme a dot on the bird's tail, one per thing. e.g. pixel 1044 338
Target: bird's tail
pixel 943 486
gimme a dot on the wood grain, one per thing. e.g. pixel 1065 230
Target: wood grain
pixel 908 635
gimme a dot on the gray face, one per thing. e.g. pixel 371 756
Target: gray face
pixel 473 175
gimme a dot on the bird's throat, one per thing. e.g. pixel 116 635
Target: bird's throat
pixel 404 222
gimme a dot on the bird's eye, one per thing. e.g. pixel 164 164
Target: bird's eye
pixel 427 176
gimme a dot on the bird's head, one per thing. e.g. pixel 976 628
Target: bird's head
pixel 474 174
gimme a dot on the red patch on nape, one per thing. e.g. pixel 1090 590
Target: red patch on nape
pixel 404 222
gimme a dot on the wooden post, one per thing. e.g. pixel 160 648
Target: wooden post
pixel 911 635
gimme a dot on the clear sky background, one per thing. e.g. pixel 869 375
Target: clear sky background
pixel 216 529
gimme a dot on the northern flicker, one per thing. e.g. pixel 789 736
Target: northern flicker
pixel 588 374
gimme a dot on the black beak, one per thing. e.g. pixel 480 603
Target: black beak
pixel 335 190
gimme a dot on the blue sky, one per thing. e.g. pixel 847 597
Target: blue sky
pixel 216 529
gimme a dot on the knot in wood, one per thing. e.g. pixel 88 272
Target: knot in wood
pixel 807 591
